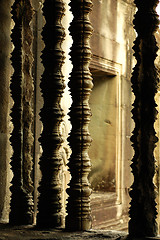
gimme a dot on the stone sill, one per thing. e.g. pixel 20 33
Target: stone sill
pixel 30 233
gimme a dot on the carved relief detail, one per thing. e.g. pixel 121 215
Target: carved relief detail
pixel 52 86
pixel 22 115
pixel 144 85
pixel 80 84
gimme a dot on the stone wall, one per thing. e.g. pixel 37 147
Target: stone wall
pixel 5 104
pixel 111 100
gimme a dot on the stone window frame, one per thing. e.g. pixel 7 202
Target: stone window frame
pixel 101 66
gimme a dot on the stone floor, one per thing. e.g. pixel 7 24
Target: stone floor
pixel 30 233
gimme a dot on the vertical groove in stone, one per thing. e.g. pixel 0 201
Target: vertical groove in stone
pixel 21 138
pixel 143 210
pixel 52 86
pixel 78 207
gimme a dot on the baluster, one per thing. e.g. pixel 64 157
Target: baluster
pixel 22 115
pixel 144 84
pixel 78 207
pixel 28 89
pixel 52 85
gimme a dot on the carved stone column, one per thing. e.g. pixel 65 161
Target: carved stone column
pixel 144 84
pixel 78 207
pixel 22 115
pixel 52 85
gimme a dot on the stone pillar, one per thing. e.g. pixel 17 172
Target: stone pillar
pixel 144 84
pixel 22 115
pixel 80 84
pixel 52 85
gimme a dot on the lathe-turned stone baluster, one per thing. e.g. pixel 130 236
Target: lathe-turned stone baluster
pixel 52 85
pixel 22 115
pixel 78 207
pixel 144 84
